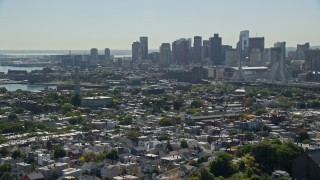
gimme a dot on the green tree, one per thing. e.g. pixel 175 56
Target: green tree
pixel 6 176
pixel 75 120
pixel 184 144
pixel 4 167
pixel 18 110
pixel 169 146
pixel 2 139
pixel 66 107
pixel 59 152
pixel 76 100
pixel 163 137
pixel 303 135
pixel 196 104
pixel 3 90
pixel 113 155
pixel 12 117
pixel 177 105
pixel 205 174
pixel 166 121
pixel 100 157
pixel 4 151
pixel 286 152
pixel 126 120
pixel 16 154
pixel 222 165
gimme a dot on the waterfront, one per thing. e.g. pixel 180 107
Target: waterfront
pixel 28 87
pixel 28 69
pixel 25 87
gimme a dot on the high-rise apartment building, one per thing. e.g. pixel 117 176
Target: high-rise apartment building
pixel 216 49
pixel 165 54
pixel 144 47
pixel 107 56
pixel 312 62
pixel 94 56
pixel 136 52
pixel 301 51
pixel 180 51
pixel 197 47
pixel 231 58
pixel 206 53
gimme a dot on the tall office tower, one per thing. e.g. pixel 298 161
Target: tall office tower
pixel 278 55
pixel 266 56
pixel 165 54
pixel 256 43
pixel 255 57
pixel 282 46
pixel 107 56
pixel 136 52
pixel 216 49
pixel 180 51
pixel 244 42
pixel 206 53
pixel 94 56
pixel 76 81
pixel 256 48
pixel 301 51
pixel 144 47
pixel 312 62
pixel 232 58
pixel 225 48
pixel 197 47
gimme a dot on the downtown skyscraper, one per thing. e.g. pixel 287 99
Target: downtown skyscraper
pixel 165 55
pixel 197 49
pixel 216 49
pixel 144 47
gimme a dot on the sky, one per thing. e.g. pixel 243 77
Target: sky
pixel 84 24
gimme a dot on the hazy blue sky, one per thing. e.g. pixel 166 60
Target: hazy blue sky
pixel 82 24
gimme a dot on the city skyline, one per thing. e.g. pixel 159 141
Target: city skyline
pixel 46 25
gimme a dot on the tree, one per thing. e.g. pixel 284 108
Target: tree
pixel 12 117
pixel 6 176
pixel 249 135
pixel 16 154
pixel 303 135
pixel 177 105
pixel 169 146
pixel 196 104
pixel 18 110
pixel 2 139
pixel 4 151
pixel 100 157
pixel 163 137
pixel 206 175
pixel 66 107
pixel 113 155
pixel 76 100
pixel 127 120
pixel 184 144
pixel 222 165
pixel 3 90
pixel 166 121
pixel 4 167
pixel 59 152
